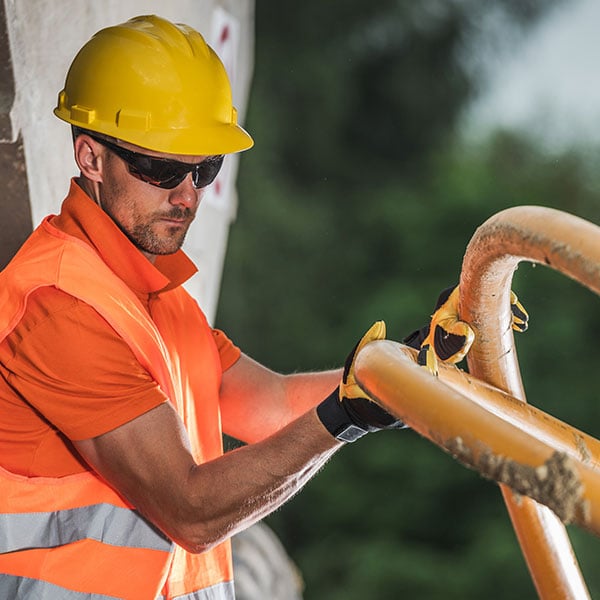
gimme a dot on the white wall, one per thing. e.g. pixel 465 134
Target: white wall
pixel 44 37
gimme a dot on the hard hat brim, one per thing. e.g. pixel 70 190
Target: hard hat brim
pixel 226 138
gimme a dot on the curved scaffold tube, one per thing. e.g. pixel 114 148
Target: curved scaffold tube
pixel 548 471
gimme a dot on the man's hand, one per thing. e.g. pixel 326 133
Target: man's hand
pixel 449 339
pixel 348 413
pixel 446 338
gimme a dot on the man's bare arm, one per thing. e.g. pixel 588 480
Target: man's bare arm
pixel 148 461
pixel 256 402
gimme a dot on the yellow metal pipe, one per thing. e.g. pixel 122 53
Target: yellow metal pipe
pixel 488 426
pixel 571 246
pixel 501 437
pixel 485 428
pixel 535 234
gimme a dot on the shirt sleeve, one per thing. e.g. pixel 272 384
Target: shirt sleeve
pixel 228 351
pixel 68 363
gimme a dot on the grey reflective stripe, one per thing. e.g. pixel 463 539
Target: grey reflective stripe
pixel 101 522
pixel 219 591
pixel 23 588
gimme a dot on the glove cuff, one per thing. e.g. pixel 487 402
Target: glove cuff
pixel 336 419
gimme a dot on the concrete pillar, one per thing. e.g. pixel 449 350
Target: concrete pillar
pixel 15 211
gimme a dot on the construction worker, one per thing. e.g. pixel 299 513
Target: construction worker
pixel 114 390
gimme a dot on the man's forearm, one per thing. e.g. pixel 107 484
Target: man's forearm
pixel 234 491
pixel 148 461
pixel 257 402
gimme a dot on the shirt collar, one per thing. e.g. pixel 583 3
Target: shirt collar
pixel 82 218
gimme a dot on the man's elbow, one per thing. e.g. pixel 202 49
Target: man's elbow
pixel 196 539
pixel 195 533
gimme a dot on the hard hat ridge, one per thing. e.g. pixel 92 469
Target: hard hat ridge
pixel 176 36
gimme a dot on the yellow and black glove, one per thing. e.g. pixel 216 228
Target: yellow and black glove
pixel 348 413
pixel 449 339
pixel 520 317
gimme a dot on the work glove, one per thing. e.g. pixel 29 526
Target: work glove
pixel 348 413
pixel 449 339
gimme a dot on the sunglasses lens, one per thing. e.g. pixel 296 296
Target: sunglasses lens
pixel 204 173
pixel 169 174
pixel 155 172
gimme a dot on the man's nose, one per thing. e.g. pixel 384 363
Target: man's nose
pixel 185 194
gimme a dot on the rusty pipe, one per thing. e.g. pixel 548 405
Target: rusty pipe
pixel 571 246
pixel 493 425
pixel 488 430
pixel 535 234
pixel 501 437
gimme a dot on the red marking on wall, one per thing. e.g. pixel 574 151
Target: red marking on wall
pixel 224 34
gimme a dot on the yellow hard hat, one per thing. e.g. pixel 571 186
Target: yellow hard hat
pixel 154 84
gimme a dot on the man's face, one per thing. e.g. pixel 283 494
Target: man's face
pixel 156 220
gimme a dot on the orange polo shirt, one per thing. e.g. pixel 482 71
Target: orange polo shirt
pixel 64 373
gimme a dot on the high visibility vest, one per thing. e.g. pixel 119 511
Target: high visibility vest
pixel 75 538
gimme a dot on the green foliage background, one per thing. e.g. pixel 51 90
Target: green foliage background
pixel 356 204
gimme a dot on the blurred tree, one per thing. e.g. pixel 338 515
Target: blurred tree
pixel 357 203
pixel 392 511
pixel 350 101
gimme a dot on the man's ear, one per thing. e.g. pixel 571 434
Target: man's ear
pixel 89 156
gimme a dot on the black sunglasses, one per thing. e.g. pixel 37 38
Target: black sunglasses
pixel 164 172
